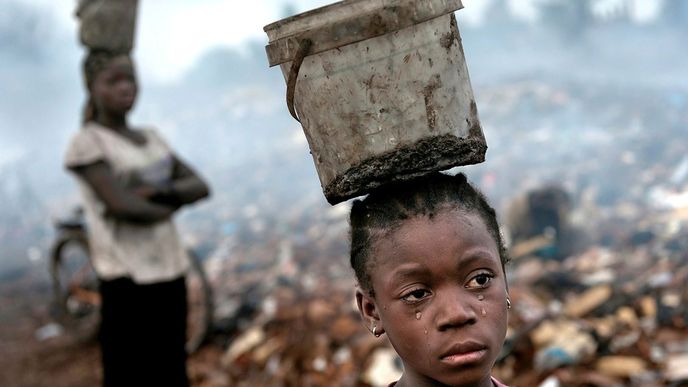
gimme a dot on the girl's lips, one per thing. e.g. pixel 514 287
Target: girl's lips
pixel 464 353
pixel 465 358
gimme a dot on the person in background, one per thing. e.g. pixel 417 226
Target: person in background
pixel 429 261
pixel 132 183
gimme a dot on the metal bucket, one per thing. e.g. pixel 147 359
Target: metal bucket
pixel 381 89
pixel 107 24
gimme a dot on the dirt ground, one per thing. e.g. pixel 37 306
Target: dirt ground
pixel 26 361
pixel 64 360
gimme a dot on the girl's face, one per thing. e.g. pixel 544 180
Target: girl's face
pixel 440 296
pixel 114 88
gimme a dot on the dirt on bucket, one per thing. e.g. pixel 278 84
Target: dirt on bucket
pixel 425 156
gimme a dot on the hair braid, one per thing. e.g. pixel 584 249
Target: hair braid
pixel 383 211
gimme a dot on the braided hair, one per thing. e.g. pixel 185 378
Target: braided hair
pixel 384 210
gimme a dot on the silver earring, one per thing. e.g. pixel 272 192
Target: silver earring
pixel 375 331
pixel 508 302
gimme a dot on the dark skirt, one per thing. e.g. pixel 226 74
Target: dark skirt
pixel 143 333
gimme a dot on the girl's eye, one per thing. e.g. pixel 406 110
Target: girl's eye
pixel 416 295
pixel 480 281
pixel 120 77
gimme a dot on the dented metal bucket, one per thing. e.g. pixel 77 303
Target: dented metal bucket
pixel 381 89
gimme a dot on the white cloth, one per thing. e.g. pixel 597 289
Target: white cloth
pixel 145 253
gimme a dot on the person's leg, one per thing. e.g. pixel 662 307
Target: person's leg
pixel 166 328
pixel 143 333
pixel 118 344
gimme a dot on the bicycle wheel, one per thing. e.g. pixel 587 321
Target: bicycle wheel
pixel 75 286
pixel 200 304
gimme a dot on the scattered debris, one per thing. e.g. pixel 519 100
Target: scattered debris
pixel 48 331
pixel 614 312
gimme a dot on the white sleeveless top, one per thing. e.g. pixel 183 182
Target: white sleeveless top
pixel 145 253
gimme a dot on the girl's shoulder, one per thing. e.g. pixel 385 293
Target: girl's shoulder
pixel 84 148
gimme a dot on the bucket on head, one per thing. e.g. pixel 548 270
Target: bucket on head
pixel 382 91
pixel 107 24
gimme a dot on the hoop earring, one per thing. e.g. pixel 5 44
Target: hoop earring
pixel 508 302
pixel 375 333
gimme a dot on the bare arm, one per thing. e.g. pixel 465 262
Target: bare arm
pixel 186 186
pixel 120 202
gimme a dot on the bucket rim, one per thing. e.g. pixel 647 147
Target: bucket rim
pixel 367 19
pixel 375 5
pixel 309 13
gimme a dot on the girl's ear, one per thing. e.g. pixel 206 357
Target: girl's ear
pixel 369 312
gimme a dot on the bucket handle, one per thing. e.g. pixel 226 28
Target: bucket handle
pixel 301 53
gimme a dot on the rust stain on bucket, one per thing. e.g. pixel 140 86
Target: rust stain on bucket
pixel 430 111
pixel 447 40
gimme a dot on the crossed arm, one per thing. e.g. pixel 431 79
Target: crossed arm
pixel 144 203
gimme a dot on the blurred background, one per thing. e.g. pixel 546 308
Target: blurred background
pixel 585 108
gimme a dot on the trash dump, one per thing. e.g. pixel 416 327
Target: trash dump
pixel 612 313
pixel 278 258
pixel 628 329
pixel 299 327
pixel 277 255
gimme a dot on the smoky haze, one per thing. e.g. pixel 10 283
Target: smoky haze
pixel 559 98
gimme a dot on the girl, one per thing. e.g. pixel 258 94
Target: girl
pixel 429 260
pixel 132 184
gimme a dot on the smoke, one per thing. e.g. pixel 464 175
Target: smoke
pixel 226 113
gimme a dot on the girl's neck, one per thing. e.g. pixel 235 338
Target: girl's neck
pixel 117 123
pixel 407 380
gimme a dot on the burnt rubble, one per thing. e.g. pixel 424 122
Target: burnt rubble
pixel 609 308
pixel 598 291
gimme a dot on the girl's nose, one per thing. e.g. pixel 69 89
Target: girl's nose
pixel 455 311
